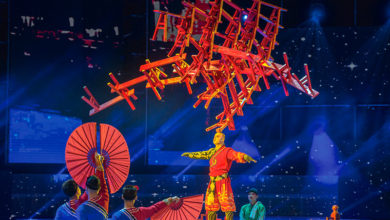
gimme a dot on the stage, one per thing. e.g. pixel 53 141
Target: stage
pixel 298 92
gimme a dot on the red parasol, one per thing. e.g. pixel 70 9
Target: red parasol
pixel 188 208
pixel 116 156
pixel 81 148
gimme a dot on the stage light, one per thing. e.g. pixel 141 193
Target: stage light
pixel 317 13
pixel 277 157
pixel 323 154
pixel 243 18
pixel 388 12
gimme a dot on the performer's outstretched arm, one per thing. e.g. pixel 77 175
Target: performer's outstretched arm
pixel 240 157
pixel 148 212
pixel 203 155
pixel 99 172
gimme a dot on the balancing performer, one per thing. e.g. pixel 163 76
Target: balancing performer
pixel 219 193
pixel 96 207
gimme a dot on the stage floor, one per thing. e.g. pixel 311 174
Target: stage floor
pixel 238 218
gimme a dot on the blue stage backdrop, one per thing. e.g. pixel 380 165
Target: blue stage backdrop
pixel 38 137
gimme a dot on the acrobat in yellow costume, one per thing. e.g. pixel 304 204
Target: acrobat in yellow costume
pixel 219 193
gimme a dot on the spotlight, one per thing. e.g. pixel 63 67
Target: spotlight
pixel 244 17
pixel 388 11
pixel 317 13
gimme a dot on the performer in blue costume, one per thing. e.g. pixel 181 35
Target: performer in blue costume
pixel 67 211
pixel 130 212
pixel 96 208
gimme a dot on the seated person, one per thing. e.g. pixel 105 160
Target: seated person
pixel 129 196
pixel 68 209
pixel 254 210
pixel 98 198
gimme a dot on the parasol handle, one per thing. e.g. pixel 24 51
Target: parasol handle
pixel 99 158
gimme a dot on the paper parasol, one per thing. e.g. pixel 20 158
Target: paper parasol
pixel 188 208
pixel 81 148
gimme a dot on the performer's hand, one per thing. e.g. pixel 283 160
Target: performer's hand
pixel 176 199
pixel 185 155
pixel 99 161
pixel 249 159
pixel 168 201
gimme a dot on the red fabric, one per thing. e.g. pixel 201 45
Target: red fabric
pixel 335 216
pixel 143 213
pixel 223 197
pixel 222 159
pixel 75 203
pixel 103 198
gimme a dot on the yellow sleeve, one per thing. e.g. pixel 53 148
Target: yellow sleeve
pixel 202 155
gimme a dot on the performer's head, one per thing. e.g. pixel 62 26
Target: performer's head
pixel 219 138
pixel 253 195
pixel 129 193
pixel 71 189
pixel 335 208
pixel 93 185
